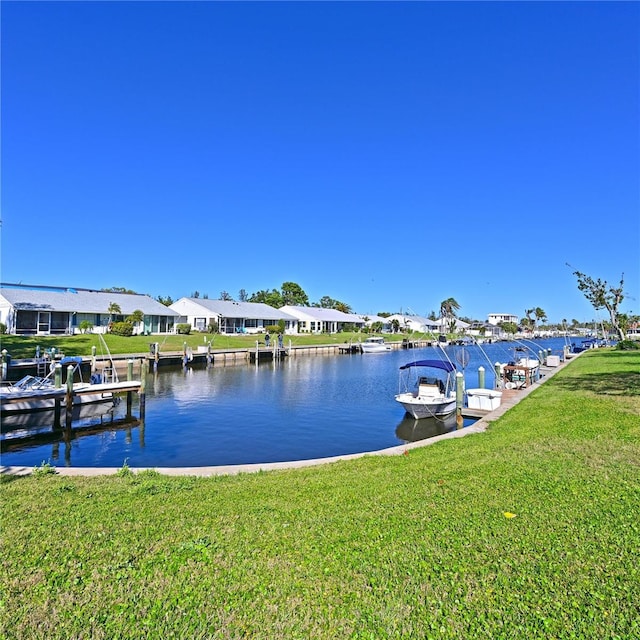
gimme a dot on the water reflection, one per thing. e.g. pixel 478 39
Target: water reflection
pixel 412 430
pixel 301 407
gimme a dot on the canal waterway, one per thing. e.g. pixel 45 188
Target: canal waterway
pixel 296 408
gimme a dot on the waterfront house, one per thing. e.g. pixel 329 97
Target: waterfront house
pixel 320 320
pixel 46 310
pixel 497 318
pixel 418 324
pixel 373 319
pixel 232 317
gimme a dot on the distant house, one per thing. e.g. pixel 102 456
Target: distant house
pixel 484 329
pixel 497 318
pixel 415 323
pixel 371 320
pixel 230 316
pixel 45 310
pixel 319 320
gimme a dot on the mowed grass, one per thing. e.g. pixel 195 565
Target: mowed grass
pixel 81 344
pixel 529 530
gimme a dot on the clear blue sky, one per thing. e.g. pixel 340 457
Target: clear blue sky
pixel 388 155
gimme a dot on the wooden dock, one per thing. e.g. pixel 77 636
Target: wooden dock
pixel 64 396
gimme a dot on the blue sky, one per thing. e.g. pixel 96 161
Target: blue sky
pixel 388 155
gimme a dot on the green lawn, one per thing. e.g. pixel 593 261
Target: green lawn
pixel 80 345
pixel 529 530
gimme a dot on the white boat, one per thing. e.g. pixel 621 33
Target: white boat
pixel 374 344
pixel 433 397
pixel 521 373
pixel 36 393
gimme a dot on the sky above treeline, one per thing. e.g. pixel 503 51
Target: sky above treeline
pixel 389 155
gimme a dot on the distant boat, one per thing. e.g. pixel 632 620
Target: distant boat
pixel 374 344
pixel 434 396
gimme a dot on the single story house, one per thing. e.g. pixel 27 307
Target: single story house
pixel 232 317
pixel 371 320
pixel 320 320
pixel 484 329
pixel 418 324
pixel 45 310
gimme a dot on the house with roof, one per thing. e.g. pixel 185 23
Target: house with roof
pixel 45 310
pixel 412 323
pixel 232 317
pixel 370 320
pixel 320 320
pixel 484 329
pixel 498 318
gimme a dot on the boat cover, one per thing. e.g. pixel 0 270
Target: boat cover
pixel 436 364
pixel 71 360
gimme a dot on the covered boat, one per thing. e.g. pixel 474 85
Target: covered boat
pixel 434 394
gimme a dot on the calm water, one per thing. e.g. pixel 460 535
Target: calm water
pixel 299 408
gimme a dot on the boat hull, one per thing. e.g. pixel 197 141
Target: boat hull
pixel 426 407
pixel 30 401
pixel 375 348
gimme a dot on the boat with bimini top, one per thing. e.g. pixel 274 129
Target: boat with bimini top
pixel 434 392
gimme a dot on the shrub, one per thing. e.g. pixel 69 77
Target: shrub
pixel 628 345
pixel 121 328
pixel 213 327
pixel 3 328
pixel 183 328
pixel 272 328
pixel 86 326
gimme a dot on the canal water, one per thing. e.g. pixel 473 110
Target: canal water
pixel 297 408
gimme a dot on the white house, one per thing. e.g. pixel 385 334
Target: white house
pixel 319 320
pixel 370 320
pixel 232 317
pixel 46 310
pixel 484 329
pixel 497 318
pixel 415 323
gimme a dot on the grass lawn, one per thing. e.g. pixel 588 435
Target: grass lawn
pixel 80 345
pixel 529 530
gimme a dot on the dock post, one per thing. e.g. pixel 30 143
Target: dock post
pixel 143 387
pixel 69 397
pixel 57 376
pixel 481 377
pixel 129 393
pixel 93 359
pixel 459 399
pixel 4 364
pixel 496 368
pixel 184 354
pixel 209 352
pixel 56 414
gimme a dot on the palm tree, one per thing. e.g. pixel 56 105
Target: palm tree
pixel 541 316
pixel 114 309
pixel 448 310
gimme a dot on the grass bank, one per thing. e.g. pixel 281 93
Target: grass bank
pixel 81 344
pixel 529 530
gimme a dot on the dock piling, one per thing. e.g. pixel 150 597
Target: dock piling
pixel 69 398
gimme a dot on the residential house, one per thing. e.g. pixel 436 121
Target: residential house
pixel 485 330
pixel 46 310
pixel 371 320
pixel 497 318
pixel 232 317
pixel 320 320
pixel 412 323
